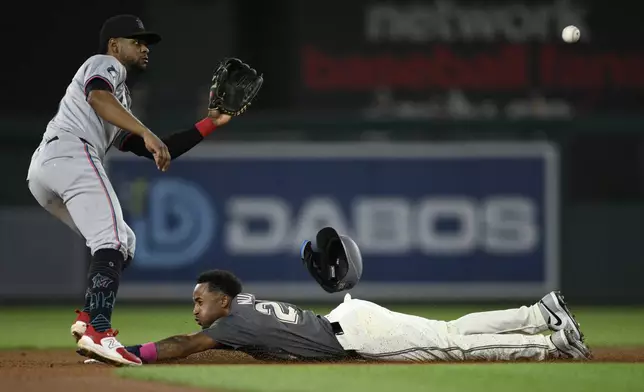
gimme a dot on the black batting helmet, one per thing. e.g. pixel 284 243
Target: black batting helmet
pixel 335 262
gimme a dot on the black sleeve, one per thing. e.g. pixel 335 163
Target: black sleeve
pixel 97 84
pixel 178 143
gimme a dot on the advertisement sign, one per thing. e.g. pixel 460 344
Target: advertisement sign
pixel 471 220
pixel 455 58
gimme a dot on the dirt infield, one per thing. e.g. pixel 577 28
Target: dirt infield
pixel 64 370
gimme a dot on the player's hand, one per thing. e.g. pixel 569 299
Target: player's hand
pixel 217 118
pixel 158 149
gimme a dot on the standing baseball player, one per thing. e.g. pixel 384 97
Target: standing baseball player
pixel 67 176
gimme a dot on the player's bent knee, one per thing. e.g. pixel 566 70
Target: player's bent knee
pixel 127 263
pixel 131 245
pixel 131 249
pixel 105 269
pixel 107 259
pixel 108 254
pixel 108 245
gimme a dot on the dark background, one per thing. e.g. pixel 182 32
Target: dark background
pixel 596 122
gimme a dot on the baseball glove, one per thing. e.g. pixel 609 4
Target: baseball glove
pixel 234 87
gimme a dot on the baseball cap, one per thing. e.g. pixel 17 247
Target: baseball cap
pixel 126 26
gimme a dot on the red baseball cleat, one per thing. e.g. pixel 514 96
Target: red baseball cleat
pixel 103 347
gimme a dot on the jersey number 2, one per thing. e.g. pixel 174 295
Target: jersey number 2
pixel 285 314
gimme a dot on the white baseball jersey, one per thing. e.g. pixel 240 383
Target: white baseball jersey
pixel 77 117
pixel 66 175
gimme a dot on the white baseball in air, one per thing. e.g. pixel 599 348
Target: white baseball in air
pixel 570 34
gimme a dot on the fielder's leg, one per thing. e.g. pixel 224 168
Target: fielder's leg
pixel 82 183
pixel 131 246
pixel 93 205
pixel 89 206
pixel 53 204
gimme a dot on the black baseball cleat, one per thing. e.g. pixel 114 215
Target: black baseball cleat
pixel 559 316
pixel 568 346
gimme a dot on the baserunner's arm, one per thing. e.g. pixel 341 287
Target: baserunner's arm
pixel 174 347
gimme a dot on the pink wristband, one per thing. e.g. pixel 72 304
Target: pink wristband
pixel 205 127
pixel 149 352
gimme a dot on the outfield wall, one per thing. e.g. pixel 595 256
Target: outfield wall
pixel 436 221
pixel 496 72
pixel 440 220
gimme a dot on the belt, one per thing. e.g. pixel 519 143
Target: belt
pixel 337 329
pixel 81 139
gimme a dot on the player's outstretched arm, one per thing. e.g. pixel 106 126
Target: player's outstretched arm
pixel 107 106
pixel 110 109
pixel 178 143
pixel 174 347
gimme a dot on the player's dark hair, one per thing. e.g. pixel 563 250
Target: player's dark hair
pixel 223 281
